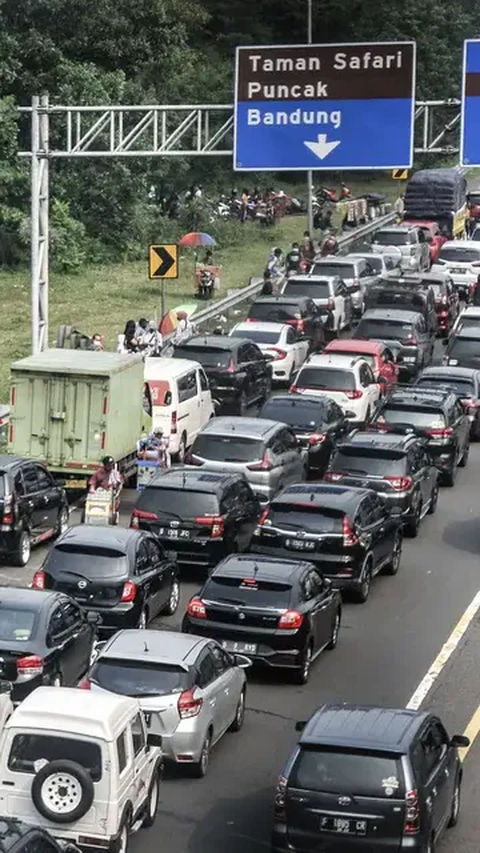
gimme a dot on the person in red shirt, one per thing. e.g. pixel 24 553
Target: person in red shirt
pixel 106 477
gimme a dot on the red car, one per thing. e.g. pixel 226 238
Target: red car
pixel 433 236
pixel 378 356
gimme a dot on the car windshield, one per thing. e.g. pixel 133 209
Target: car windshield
pixel 30 752
pixel 138 678
pixel 389 296
pixel 465 348
pixel 313 289
pixel 462 255
pixel 297 413
pixel 227 448
pixel 93 562
pixel 326 378
pixel 273 312
pixel 391 238
pixel 259 336
pixel 248 591
pixel 462 387
pixel 329 268
pixel 438 289
pixel 298 516
pixel 469 322
pixel 393 330
pixel 352 773
pixel 181 503
pixel 422 418
pixel 207 356
pixel 16 625
pixel 377 462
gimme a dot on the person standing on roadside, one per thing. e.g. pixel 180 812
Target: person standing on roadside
pixel 184 328
pixel 399 207
pixel 307 249
pixel 267 289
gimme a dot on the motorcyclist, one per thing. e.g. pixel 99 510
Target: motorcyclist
pixel 274 263
pixel 107 476
pixel 307 249
pixel 329 244
pixel 155 446
pixel 293 259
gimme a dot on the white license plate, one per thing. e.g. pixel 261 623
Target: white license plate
pixel 457 271
pixel 170 533
pixel 299 544
pixel 239 648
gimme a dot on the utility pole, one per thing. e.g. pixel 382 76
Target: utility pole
pixel 310 173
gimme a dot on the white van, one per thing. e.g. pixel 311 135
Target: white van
pixel 177 396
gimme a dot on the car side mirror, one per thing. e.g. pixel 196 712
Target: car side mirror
pixel 460 741
pixel 299 727
pixel 94 618
pixel 242 661
pixel 350 416
pixel 154 740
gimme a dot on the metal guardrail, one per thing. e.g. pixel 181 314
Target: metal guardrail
pixel 220 306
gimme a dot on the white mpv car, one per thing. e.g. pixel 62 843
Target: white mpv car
pixel 349 381
pixel 80 765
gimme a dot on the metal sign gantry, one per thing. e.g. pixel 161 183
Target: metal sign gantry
pixel 201 130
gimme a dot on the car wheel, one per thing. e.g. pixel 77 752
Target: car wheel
pixel 120 845
pixel 62 791
pixel 242 404
pixel 363 591
pixel 412 526
pixel 182 449
pixel 152 802
pixel 433 500
pixel 430 848
pixel 143 619
pixel 393 565
pixel 302 673
pixel 22 553
pixel 449 477
pixel 174 599
pixel 335 629
pixel 62 523
pixel 454 814
pixel 239 713
pixel 464 459
pixel 200 767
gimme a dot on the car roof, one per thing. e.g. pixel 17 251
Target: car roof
pixel 294 400
pixel 344 498
pixel 279 300
pixel 260 326
pixel 417 395
pixel 394 229
pixel 425 276
pixel 470 332
pixel 120 538
pixel 385 440
pixel 7 461
pixel 169 647
pixel 390 314
pixel 313 277
pixel 187 479
pixel 459 244
pixel 355 345
pixel 261 567
pixel 236 425
pixel 329 359
pixel 223 342
pixel 72 711
pixel 470 311
pixel 168 368
pixel 363 727
pixel 25 598
pixel 455 372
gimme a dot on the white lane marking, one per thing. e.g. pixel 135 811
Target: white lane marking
pixel 443 656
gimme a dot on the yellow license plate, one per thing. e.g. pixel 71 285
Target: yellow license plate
pixel 75 484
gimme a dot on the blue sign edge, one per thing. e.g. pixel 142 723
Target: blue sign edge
pixel 408 165
pixel 468 165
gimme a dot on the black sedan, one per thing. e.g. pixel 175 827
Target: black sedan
pixel 124 575
pixel 281 613
pixel 45 638
pixel 318 423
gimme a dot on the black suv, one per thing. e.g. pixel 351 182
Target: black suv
pixel 19 837
pixel 350 534
pixel 463 381
pixel 33 507
pixel 317 422
pixel 396 465
pixel 405 333
pixel 238 371
pixel 406 294
pixel 202 516
pixel 281 613
pixel 363 778
pixel 299 312
pixel 463 348
pixel 439 414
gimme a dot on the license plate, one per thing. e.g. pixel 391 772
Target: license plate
pixel 299 545
pixel 240 648
pixel 343 825
pixel 75 484
pixel 170 533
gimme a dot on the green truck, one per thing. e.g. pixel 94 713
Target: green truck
pixel 70 408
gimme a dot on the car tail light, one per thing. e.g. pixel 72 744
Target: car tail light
pixel 129 591
pixel 264 516
pixel 331 305
pixel 216 522
pixel 29 667
pixel 265 465
pixel 333 476
pixel 189 705
pixel 249 320
pixel 173 427
pixel 296 389
pixel 280 800
pixel 291 619
pixel 231 366
pixel 39 580
pixel 401 484
pixel 85 684
pixel 354 395
pixel 280 354
pixel 475 264
pixel 197 609
pixel 139 515
pixel 410 342
pixel 440 433
pixel 349 536
pixel 470 403
pixel 412 814
pixel 7 510
pixel 317 438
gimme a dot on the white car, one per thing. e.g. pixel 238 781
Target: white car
pixel 382 265
pixel 461 259
pixel 467 319
pixel 349 381
pixel 279 340
pixel 329 293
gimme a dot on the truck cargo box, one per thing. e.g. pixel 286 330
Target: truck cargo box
pixel 435 194
pixel 70 408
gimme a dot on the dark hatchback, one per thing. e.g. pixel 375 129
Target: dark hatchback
pixel 396 465
pixel 203 517
pixel 301 313
pixel 463 381
pixel 463 348
pixel 33 507
pixel 350 534
pixel 124 575
pixel 317 422
pixel 440 416
pixel 19 837
pixel 404 332
pixel 45 638
pixel 238 371
pixel 363 780
pixel 281 613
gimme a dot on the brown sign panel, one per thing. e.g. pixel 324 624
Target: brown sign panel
pixel 329 72
pixel 472 85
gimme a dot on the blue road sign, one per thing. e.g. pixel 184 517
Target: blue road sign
pixel 347 106
pixel 469 134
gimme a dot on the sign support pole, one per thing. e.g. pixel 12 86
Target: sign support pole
pixel 310 173
pixel 39 222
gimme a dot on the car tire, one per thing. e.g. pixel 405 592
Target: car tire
pixel 239 713
pixel 361 594
pixel 464 460
pixel 142 622
pixel 433 500
pixel 456 801
pixel 46 795
pixel 199 768
pixel 393 565
pixel 21 555
pixel 335 631
pixel 412 527
pixel 301 674
pixel 174 599
pixel 430 848
pixel 120 843
pixel 449 477
pixel 62 522
pixel 152 801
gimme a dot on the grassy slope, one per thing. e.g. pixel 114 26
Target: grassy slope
pixel 100 299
